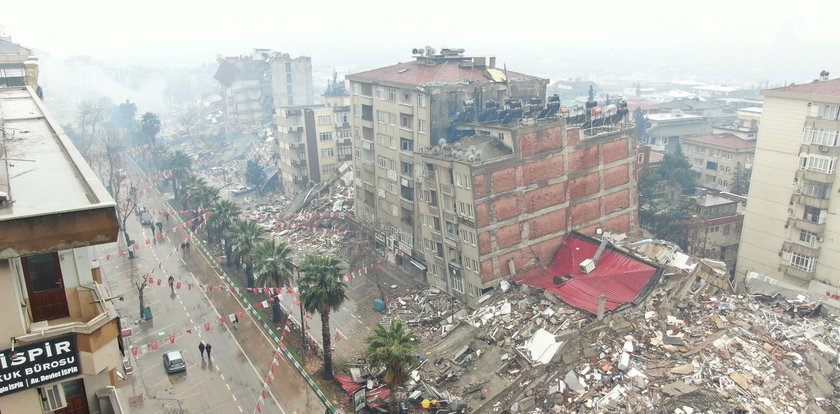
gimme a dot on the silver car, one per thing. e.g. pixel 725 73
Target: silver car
pixel 174 362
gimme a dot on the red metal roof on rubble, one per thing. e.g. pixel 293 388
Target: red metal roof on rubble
pixel 623 278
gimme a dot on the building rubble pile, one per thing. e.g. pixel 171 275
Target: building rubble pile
pixel 524 351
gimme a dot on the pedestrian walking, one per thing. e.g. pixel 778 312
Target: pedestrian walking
pixel 166 214
pixel 235 321
pixel 153 231
pixel 172 283
pixel 207 348
pixel 201 348
pixel 160 227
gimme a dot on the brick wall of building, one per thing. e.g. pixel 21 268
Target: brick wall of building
pixel 557 182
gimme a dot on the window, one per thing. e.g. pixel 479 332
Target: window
pixel 830 112
pixel 726 230
pixel 727 155
pixel 817 163
pixel 641 159
pixel 711 165
pixel 421 100
pixel 323 120
pixel 802 262
pixel 367 89
pixel 392 118
pixel 815 189
pixel 818 136
pixel 405 98
pixel 325 136
pixel 342 117
pixel 407 193
pixel 345 134
pixel 387 141
pixel 451 228
pixel 381 116
pixel 44 284
pixel 457 281
pixel 807 236
pixel 465 209
pixel 392 95
pixel 468 237
pixel 421 125
pixel 327 153
pixel 405 121
pixel 328 168
pixel 380 93
pixel 382 161
pixel 406 168
pixel 448 202
pixel 356 89
pixel 461 180
pixel 406 144
pixel 344 150
pixel 471 264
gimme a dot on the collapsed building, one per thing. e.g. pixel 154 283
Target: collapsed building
pixel 647 329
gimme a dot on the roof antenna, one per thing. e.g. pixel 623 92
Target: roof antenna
pixel 507 82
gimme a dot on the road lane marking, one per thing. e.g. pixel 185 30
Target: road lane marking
pixel 180 394
pixel 138 339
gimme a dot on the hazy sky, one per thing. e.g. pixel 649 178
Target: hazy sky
pixel 764 41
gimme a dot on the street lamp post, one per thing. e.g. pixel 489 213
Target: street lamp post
pixel 302 329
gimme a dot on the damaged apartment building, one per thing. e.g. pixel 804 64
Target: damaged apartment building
pixel 467 176
pixel 313 141
pixel 252 86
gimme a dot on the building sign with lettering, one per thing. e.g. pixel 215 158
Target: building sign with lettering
pixel 37 364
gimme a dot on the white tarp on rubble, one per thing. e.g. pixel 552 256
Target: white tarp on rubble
pixel 542 347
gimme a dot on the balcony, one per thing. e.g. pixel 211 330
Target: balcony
pixel 811 248
pixel 825 150
pixel 820 203
pixel 817 176
pixel 808 225
pixel 797 273
pixel 95 323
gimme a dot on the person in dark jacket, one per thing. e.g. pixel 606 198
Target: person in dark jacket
pixel 201 349
pixel 207 348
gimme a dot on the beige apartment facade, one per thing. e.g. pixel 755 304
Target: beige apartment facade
pixel 60 335
pixel 719 160
pixel 400 108
pixel 790 229
pixel 313 141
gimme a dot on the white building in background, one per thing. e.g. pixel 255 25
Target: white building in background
pixel 791 229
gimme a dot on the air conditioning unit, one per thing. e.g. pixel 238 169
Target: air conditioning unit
pixel 52 397
pixel 587 266
pixel 823 148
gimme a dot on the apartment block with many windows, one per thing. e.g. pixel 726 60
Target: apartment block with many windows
pixel 791 231
pixel 400 108
pixel 60 336
pixel 313 141
pixel 719 161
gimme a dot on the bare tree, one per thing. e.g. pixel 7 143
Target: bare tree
pixel 124 193
pixel 140 282
pixel 88 119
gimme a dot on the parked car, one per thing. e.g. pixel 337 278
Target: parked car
pixel 174 362
pixel 146 218
pixel 241 189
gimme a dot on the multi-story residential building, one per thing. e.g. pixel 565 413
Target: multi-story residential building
pixel 719 161
pixel 715 228
pixel 501 199
pixel 667 129
pixel 18 66
pixel 60 337
pixel 790 228
pixel 400 108
pixel 253 86
pixel 313 141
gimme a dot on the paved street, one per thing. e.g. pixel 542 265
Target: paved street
pixel 229 382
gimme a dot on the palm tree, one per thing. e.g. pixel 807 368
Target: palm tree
pixel 150 125
pixel 246 234
pixel 179 163
pixel 189 186
pixel 392 348
pixel 273 265
pixel 322 291
pixel 224 213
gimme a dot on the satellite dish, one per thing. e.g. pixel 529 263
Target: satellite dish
pixel 471 148
pixel 442 142
pixel 471 157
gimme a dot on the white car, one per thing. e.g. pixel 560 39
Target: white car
pixel 241 189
